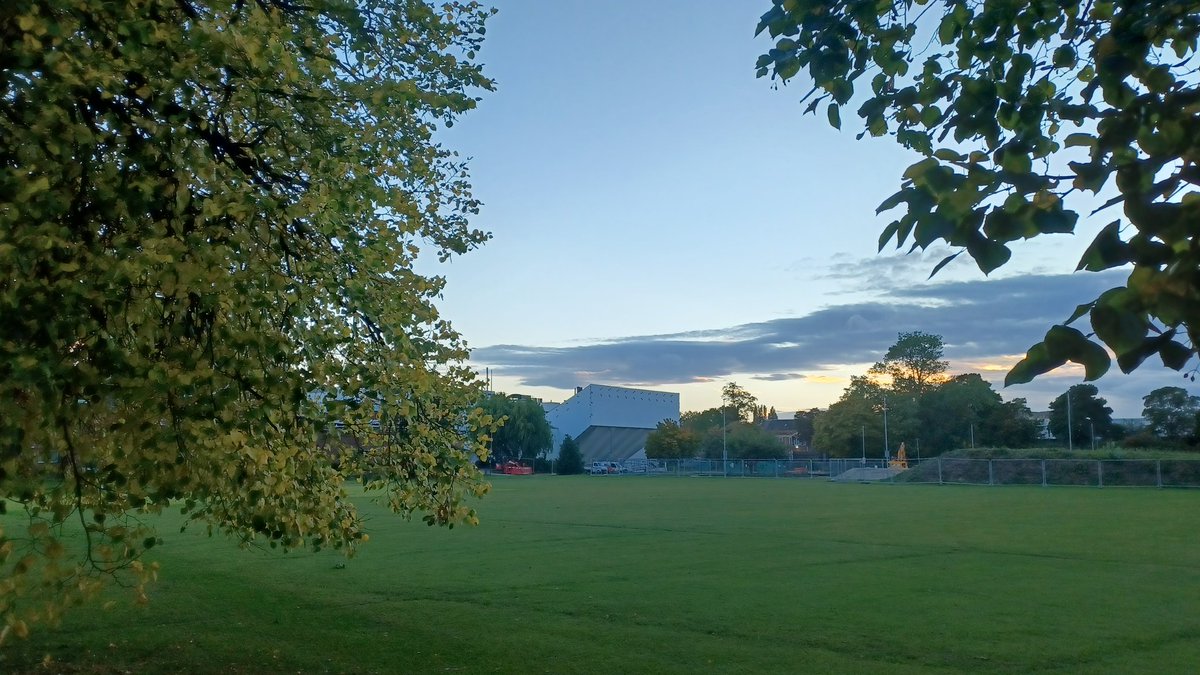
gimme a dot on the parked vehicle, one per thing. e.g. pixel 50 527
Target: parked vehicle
pixel 604 468
pixel 512 468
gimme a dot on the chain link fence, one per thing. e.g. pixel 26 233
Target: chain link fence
pixel 1047 472
pixel 1161 473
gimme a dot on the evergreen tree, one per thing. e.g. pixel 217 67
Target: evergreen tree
pixel 570 460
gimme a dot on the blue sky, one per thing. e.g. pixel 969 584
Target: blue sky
pixel 661 218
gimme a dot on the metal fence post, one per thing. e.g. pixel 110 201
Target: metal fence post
pixel 991 479
pixel 939 470
pixel 1158 471
pixel 1043 473
pixel 1100 471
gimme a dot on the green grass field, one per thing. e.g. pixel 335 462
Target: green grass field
pixel 684 575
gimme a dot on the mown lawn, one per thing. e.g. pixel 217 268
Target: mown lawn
pixel 682 575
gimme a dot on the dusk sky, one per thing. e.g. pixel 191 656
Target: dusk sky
pixel 663 219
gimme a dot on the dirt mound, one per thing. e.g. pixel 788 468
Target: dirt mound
pixel 867 474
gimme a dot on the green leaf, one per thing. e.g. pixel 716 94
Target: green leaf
pixel 1119 328
pixel 1131 359
pixel 1094 359
pixel 1070 344
pixel 948 29
pixel 921 168
pixel 1064 57
pixel 1080 140
pixel 1062 340
pixel 945 261
pixel 1174 355
pixel 1003 226
pixel 773 15
pixel 1081 310
pixel 835 119
pixel 1055 220
pixel 1159 79
pixel 1016 161
pixel 786 68
pixel 1037 361
pixel 1107 250
pixel 930 228
pixel 888 233
pixel 1090 176
pixel 988 254
pixel 894 201
pixel 930 115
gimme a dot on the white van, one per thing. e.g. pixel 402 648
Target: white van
pixel 604 468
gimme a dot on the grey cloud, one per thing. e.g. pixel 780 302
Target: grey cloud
pixel 978 320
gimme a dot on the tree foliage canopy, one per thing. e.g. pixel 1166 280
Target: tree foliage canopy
pixel 1026 113
pixel 929 411
pixel 965 410
pixel 803 422
pixel 702 421
pixel 524 432
pixel 742 440
pixel 914 363
pixel 209 215
pixel 1084 412
pixel 853 424
pixel 1171 412
pixel 740 403
pixel 670 441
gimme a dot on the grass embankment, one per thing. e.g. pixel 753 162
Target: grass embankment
pixel 1049 452
pixel 1056 466
pixel 683 575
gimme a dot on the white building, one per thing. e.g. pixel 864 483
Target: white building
pixel 611 423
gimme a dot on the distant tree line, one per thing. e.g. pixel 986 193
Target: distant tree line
pixel 731 430
pixel 927 409
pixel 933 412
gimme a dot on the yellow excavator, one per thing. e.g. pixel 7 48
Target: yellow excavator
pixel 901 459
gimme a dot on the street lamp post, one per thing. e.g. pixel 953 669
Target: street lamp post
pixel 864 445
pixel 887 453
pixel 1070 440
pixel 1092 432
pixel 971 423
pixel 724 447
